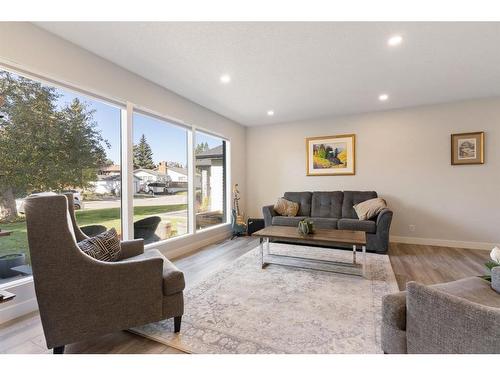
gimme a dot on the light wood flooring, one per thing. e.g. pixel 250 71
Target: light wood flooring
pixel 425 264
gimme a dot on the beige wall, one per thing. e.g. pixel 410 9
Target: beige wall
pixel 405 156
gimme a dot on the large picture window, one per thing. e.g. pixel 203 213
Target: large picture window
pixel 210 180
pixel 160 179
pixel 54 141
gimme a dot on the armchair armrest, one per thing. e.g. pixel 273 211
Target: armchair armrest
pixel 131 248
pixel 393 338
pixel 269 213
pixel 439 322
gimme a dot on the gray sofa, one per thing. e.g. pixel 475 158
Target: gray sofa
pixel 334 210
pixel 451 318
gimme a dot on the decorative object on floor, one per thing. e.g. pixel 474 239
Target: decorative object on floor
pixel 467 148
pixel 146 229
pixel 243 309
pixel 335 210
pixel 254 224
pixel 93 230
pixel 331 155
pixel 305 227
pixel 10 261
pixel 81 298
pixel 237 220
pixel 459 317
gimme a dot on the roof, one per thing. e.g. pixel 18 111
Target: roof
pixel 150 171
pixel 183 171
pixel 212 153
pixel 111 168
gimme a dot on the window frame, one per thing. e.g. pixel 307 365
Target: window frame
pixel 128 109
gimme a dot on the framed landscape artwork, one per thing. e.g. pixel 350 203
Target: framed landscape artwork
pixel 331 155
pixel 467 148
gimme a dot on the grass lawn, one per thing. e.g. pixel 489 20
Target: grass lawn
pixel 17 242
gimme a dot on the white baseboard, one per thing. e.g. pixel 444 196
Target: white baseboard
pixel 18 309
pixel 446 243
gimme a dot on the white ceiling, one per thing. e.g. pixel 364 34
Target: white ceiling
pixel 301 70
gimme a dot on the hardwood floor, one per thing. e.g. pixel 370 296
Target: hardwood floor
pixel 425 264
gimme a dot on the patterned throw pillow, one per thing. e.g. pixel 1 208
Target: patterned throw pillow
pixel 105 246
pixel 286 208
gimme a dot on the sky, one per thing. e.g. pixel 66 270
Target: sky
pixel 168 142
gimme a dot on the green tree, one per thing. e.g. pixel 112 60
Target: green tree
pixel 143 156
pixel 42 147
pixel 201 147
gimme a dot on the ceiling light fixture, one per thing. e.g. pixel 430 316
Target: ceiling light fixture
pixel 225 78
pixel 270 112
pixel 395 40
pixel 383 97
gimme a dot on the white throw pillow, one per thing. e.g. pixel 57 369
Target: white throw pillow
pixel 370 208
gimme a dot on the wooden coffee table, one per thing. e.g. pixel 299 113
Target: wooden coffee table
pixel 324 237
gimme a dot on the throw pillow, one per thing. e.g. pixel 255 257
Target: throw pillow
pixel 286 208
pixel 105 246
pixel 370 208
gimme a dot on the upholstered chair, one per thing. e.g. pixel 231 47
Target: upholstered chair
pixel 82 298
pixel 458 317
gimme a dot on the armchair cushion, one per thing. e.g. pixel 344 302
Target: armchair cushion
pixel 104 246
pixel 173 278
pixel 131 248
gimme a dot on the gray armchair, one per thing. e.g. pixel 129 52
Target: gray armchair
pixel 80 297
pixel 457 317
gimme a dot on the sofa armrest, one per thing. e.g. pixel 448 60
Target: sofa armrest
pixel 439 322
pixel 131 248
pixel 269 213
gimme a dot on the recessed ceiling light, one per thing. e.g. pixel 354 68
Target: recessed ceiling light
pixel 270 112
pixel 225 78
pixel 395 40
pixel 383 97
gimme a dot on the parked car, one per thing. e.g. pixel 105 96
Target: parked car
pixel 156 188
pixel 78 204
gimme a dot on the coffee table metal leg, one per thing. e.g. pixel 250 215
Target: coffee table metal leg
pixel 266 241
pixel 353 254
pixel 364 261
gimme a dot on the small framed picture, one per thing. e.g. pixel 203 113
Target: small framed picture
pixel 330 155
pixel 467 148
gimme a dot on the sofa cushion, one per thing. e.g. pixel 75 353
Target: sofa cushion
pixel 324 223
pixel 173 278
pixel 367 226
pixel 327 204
pixel 286 208
pixel 354 197
pixel 303 198
pixel 287 221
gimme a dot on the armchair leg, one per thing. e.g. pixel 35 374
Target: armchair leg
pixel 58 350
pixel 177 324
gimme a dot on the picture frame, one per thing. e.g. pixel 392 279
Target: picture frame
pixel 467 148
pixel 333 155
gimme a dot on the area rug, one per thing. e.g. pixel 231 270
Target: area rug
pixel 245 309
